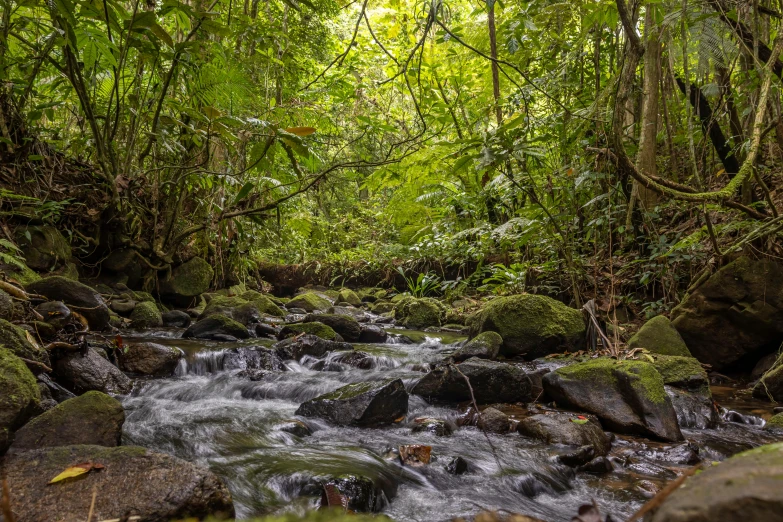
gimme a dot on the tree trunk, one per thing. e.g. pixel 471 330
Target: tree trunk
pixel 645 159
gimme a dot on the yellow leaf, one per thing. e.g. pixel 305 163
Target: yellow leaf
pixel 73 471
pixel 32 340
pixel 301 131
pixel 720 172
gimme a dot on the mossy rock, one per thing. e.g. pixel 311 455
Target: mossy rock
pixel 188 281
pixel 146 315
pixel 20 398
pixel 315 328
pixel 24 275
pixel 485 345
pixel 43 247
pixel 264 303
pixel 15 339
pixel 399 297
pixel 775 423
pixel 347 327
pixel 143 296
pixel 243 310
pixel 682 372
pixel 659 336
pixel 216 327
pixel 531 325
pixel 419 313
pixel 770 386
pixel 309 302
pixel 348 296
pixel 382 307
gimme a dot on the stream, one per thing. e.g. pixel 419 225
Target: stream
pixel 214 417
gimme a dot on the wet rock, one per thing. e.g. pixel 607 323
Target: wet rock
pixel 597 466
pixel 494 421
pixel 57 392
pixel 457 466
pixel 628 396
pixel 79 297
pixel 297 347
pixel 133 481
pixel 775 423
pixel 530 325
pixel 348 296
pixel 438 427
pixel 745 488
pixel 20 397
pixel 176 318
pixel 372 333
pixel 309 302
pixel 770 386
pixel 763 366
pixel 361 360
pixel 361 404
pixel 187 281
pixel 252 358
pixel 347 327
pixel 6 306
pixel 646 488
pixel 88 371
pixel 485 345
pixel 686 453
pixel 216 327
pixel 92 418
pixel 682 372
pixel 659 336
pixel 736 313
pixel 566 428
pixel 317 329
pixel 267 330
pixel 15 339
pixel 356 313
pixel 123 307
pixel 357 493
pixel 694 409
pixel 47 401
pixel 54 313
pixel 146 315
pixel 43 247
pixel 42 332
pixel 150 359
pixel 425 312
pixel 296 427
pixel 492 382
pixel 246 311
pixel 577 457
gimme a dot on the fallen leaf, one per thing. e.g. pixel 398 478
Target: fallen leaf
pixel 579 421
pixel 73 471
pixel 415 454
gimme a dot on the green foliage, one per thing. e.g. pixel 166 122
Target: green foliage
pixel 423 285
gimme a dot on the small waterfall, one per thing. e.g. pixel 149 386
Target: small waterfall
pixel 203 363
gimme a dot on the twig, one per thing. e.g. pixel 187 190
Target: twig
pixel 92 504
pixel 65 346
pixel 5 503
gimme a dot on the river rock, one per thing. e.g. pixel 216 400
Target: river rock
pixel 770 386
pixel 146 315
pixel 348 296
pixel 123 307
pixel 382 307
pixel 82 372
pixel 659 336
pixel 43 247
pixel 492 382
pixel 176 318
pixel 309 302
pixel 682 372
pixel 356 313
pixel 737 313
pixel 359 494
pixel 775 423
pixel 494 421
pixel 567 429
pixel 187 281
pixel 530 325
pixel 79 297
pixel 745 488
pixel 247 312
pixel 372 333
pixel 218 328
pixel 438 427
pixel 361 404
pixel 628 396
pixel 150 359
pixel 55 313
pixel 16 340
pixel 314 328
pixel 485 345
pixel 421 313
pixel 20 398
pixel 92 418
pixel 296 427
pixel 132 481
pixel 252 358
pixel 295 348
pixel 348 327
pixel 694 409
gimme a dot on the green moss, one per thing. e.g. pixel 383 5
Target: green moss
pixel 659 336
pixel 315 328
pixel 775 423
pixel 399 297
pixel 419 313
pixel 146 315
pixel 309 302
pixel 324 515
pixel 767 449
pixel 84 405
pixel 15 339
pixel 679 371
pixel 348 296
pixel 189 279
pixel 382 307
pixel 43 246
pixel 20 395
pixel 24 275
pixel 143 297
pixel 264 304
pixel 645 379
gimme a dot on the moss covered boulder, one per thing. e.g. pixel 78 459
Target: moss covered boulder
pixel 485 345
pixel 348 296
pixel 736 314
pixel 187 281
pixel 217 327
pixel 530 325
pixel 79 297
pixel 382 307
pixel 20 397
pixel 659 336
pixel 265 304
pixel 411 312
pixel 628 396
pixel 16 340
pixel 43 247
pixel 146 315
pixel 6 306
pixel 248 309
pixel 309 302
pixel 89 371
pixel 154 486
pixel 682 372
pixel 314 328
pixel 745 488
pixel 770 386
pixel 24 275
pixel 92 418
pixel 348 327
pixel 150 359
pixel 362 404
pixel 775 423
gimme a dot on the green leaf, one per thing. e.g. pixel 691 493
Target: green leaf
pixel 243 192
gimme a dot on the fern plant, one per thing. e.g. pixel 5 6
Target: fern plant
pixel 10 254
pixel 423 285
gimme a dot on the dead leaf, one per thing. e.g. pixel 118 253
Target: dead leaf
pixel 75 471
pixel 331 497
pixel 79 317
pixel 415 454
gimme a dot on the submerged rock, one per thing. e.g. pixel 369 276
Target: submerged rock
pixel 628 396
pixel 659 336
pixel 745 488
pixel 309 302
pixel 81 298
pixel 485 345
pixel 146 315
pixel 565 428
pixel 492 382
pixel 132 481
pixel 357 493
pixel 92 418
pixel 20 397
pixel 296 427
pixel 252 358
pixel 361 404
pixel 297 347
pixel 348 327
pixel 187 281
pixel 437 427
pixel 313 328
pixel 530 325
pixel 216 327
pixel 150 359
pixel 88 371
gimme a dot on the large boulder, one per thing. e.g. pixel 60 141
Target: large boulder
pixel 485 345
pixel 659 336
pixel 150 359
pixel 79 297
pixel 217 328
pixel 20 397
pixel 146 315
pixel 491 382
pixel 313 328
pixel 92 418
pixel 628 396
pixel 682 372
pixel 567 429
pixel 372 333
pixel 745 488
pixel 736 314
pixel 530 325
pixel 309 302
pixel 294 348
pixel 248 309
pixel 362 404
pixel 348 327
pixel 16 340
pixel 131 481
pixel 176 318
pixel 187 281
pixel 88 371
pixel 425 312
pixel 348 296
pixel 43 247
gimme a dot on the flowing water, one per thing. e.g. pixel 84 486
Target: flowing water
pixel 212 416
